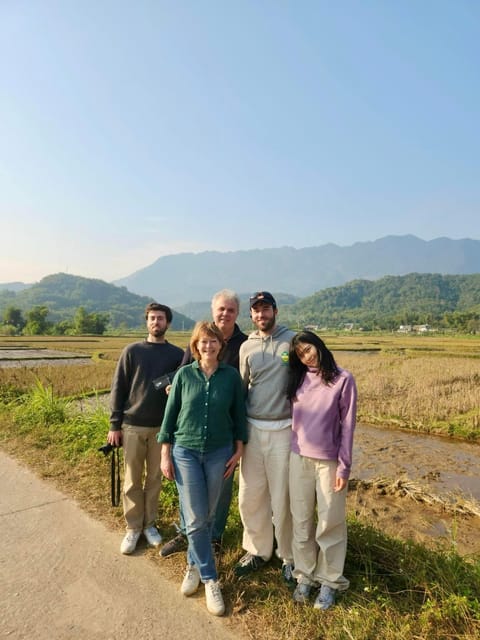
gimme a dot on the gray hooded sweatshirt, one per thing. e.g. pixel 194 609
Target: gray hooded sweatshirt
pixel 264 371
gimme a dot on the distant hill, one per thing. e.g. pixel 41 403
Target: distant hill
pixel 188 277
pixel 445 300
pixel 63 294
pixel 13 286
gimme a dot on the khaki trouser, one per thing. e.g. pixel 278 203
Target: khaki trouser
pixel 141 453
pixel 263 493
pixel 318 553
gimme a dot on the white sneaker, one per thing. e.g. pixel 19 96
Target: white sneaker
pixel 129 542
pixel 191 580
pixel 214 597
pixel 154 539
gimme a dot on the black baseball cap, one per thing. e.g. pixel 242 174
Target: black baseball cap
pixel 262 296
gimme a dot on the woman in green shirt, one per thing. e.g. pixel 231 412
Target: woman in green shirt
pixel 202 435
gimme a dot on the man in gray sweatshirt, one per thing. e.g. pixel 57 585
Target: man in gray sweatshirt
pixel 263 487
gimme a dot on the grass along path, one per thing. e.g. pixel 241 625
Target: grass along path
pixel 400 590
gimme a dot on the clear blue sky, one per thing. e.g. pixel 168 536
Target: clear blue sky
pixel 132 130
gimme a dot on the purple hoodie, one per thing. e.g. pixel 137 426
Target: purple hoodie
pixel 324 419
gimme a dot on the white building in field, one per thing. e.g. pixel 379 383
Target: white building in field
pixel 415 328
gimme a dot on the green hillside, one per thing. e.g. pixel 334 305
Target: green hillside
pixel 442 301
pixel 63 294
pixel 416 298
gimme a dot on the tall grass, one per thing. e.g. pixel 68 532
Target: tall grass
pixel 433 394
pixel 47 420
pixel 41 407
pixel 399 590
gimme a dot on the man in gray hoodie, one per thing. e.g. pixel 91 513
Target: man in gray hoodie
pixel 263 487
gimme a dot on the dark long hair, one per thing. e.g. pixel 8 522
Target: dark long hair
pixel 328 368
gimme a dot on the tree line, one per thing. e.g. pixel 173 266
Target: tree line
pixel 63 295
pixel 35 322
pixel 445 302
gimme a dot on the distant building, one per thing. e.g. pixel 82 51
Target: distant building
pixel 422 328
pixel 405 328
pixel 415 328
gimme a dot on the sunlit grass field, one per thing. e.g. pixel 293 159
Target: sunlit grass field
pixel 51 419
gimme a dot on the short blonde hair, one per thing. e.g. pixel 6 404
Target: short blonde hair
pixel 209 329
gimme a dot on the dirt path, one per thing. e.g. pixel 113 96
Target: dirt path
pixel 63 578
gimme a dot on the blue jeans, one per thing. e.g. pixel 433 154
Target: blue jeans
pixel 221 513
pixel 199 480
pixel 223 507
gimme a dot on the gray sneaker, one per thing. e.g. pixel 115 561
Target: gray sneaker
pixel 302 592
pixel 287 573
pixel 325 598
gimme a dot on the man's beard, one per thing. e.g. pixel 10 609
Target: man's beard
pixel 267 325
pixel 158 333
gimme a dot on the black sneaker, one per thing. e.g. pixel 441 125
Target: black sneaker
pixel 248 563
pixel 176 544
pixel 217 549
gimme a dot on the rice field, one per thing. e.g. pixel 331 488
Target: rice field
pixel 425 383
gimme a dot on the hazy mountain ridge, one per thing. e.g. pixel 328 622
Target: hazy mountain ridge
pixel 446 279
pixel 189 277
pixel 14 286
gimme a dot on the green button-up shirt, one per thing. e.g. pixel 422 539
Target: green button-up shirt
pixel 205 414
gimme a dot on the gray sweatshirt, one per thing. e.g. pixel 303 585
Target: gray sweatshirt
pixel 264 371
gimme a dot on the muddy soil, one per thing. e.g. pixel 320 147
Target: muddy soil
pixel 24 357
pixel 418 487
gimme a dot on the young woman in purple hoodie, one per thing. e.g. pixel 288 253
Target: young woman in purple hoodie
pixel 323 398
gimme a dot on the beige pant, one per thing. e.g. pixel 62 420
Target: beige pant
pixel 143 478
pixel 319 554
pixel 263 493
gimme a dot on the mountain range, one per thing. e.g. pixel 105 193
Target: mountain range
pixel 193 277
pixel 393 278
